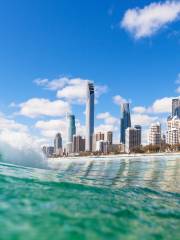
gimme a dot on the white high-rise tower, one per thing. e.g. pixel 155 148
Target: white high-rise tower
pixel 89 115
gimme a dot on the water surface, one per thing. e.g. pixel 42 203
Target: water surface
pixel 99 198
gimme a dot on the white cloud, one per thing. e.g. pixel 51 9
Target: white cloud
pixel 17 139
pixel 71 89
pixel 41 82
pixel 10 124
pixel 103 115
pixel 55 84
pixel 17 135
pixel 143 119
pixel 100 89
pixel 108 118
pixel 163 105
pixel 139 109
pixel 150 19
pixel 80 129
pixel 75 91
pixel 105 128
pixel 119 100
pixel 36 107
pixel 110 123
pixel 159 106
pixel 50 128
pixel 144 136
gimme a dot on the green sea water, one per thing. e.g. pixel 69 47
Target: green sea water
pixel 118 198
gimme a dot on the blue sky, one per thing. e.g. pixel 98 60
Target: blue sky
pixel 130 49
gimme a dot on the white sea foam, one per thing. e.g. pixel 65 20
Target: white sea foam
pixel 28 156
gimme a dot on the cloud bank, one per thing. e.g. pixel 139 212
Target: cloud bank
pixel 72 90
pixel 36 107
pixel 149 20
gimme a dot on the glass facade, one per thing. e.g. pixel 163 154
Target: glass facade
pixel 176 107
pixel 71 127
pixel 58 142
pixel 125 121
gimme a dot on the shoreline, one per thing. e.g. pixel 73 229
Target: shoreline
pixel 117 156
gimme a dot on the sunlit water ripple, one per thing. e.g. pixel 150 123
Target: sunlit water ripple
pixel 93 198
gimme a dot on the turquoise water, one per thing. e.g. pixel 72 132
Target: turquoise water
pixel 91 199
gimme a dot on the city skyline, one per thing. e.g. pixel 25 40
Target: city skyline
pixel 95 143
pixel 46 62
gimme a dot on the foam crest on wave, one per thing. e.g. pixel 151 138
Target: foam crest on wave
pixel 26 156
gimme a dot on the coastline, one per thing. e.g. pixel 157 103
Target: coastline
pixel 136 155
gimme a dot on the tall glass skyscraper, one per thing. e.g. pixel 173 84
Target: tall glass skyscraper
pixel 176 107
pixel 71 130
pixel 125 121
pixel 89 115
pixel 57 143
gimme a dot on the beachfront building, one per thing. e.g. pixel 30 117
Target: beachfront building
pixel 173 130
pixel 102 146
pixel 154 137
pixel 71 131
pixel 97 137
pixel 125 121
pixel 58 144
pixel 78 144
pixel 102 136
pixel 133 138
pixel 109 137
pixel 89 116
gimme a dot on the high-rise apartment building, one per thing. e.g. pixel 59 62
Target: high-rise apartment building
pixel 78 144
pixel 109 137
pixel 154 137
pixel 71 131
pixel 173 130
pixel 58 144
pixel 125 121
pixel 99 136
pixel 102 146
pixel 133 138
pixel 89 115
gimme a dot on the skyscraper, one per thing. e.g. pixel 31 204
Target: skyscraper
pixel 155 134
pixel 176 107
pixel 133 138
pixel 71 130
pixel 89 115
pixel 78 144
pixel 97 137
pixel 138 127
pixel 125 121
pixel 173 132
pixel 109 137
pixel 58 144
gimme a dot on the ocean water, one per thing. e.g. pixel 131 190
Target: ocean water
pixel 93 198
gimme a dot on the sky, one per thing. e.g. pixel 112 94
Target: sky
pixel 130 49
